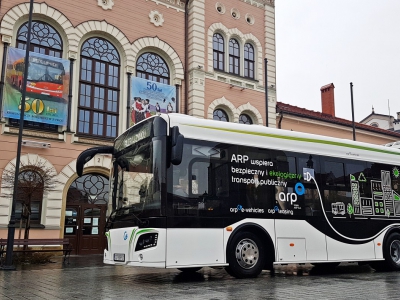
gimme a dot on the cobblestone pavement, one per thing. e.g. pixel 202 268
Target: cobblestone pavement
pixel 88 278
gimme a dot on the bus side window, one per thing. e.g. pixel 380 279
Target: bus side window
pixel 312 202
pixel 334 172
pixel 199 175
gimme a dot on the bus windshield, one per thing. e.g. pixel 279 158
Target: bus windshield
pixel 135 181
pixel 47 71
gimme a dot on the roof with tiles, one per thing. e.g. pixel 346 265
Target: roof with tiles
pixel 314 115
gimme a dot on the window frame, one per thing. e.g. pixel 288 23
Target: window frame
pixel 234 57
pixel 249 120
pixel 218 52
pixel 249 62
pixel 149 73
pixel 37 200
pixel 220 118
pixel 90 90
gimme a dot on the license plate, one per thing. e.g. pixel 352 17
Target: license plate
pixel 119 257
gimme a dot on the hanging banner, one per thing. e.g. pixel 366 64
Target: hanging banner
pixel 46 91
pixel 150 97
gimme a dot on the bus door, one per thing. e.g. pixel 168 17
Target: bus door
pixel 198 192
pixel 300 227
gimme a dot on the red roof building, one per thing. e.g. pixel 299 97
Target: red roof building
pixel 295 118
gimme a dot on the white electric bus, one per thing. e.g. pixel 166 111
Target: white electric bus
pixel 188 193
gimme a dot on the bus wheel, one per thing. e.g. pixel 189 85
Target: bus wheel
pixel 246 255
pixel 189 270
pixel 391 253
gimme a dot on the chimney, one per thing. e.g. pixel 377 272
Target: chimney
pixel 328 99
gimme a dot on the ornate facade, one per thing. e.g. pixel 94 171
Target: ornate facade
pixel 213 52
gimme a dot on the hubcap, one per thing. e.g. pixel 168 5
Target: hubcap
pixel 247 253
pixel 395 251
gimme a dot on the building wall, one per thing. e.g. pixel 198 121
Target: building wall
pixel 237 89
pixel 136 27
pixel 327 129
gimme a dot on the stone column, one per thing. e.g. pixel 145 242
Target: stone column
pixel 196 58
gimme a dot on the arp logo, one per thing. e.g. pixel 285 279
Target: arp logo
pixel 292 197
pixel 239 208
pixel 125 235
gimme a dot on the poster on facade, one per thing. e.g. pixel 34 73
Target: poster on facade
pixel 46 91
pixel 150 97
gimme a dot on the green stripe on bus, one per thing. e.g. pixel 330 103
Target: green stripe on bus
pixel 142 231
pixel 308 140
pixel 130 239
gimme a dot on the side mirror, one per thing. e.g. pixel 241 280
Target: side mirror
pixel 88 154
pixel 177 146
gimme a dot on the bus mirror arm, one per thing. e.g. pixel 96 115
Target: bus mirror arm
pixel 177 146
pixel 88 154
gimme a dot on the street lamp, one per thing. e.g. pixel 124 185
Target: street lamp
pixel 8 265
pixel 352 111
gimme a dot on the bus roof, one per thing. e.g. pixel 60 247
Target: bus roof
pixel 279 139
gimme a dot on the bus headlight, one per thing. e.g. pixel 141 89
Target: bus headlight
pixel 147 240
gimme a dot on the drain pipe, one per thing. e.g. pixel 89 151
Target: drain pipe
pixel 186 56
pixel 280 119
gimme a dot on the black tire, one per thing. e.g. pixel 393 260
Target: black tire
pixel 189 270
pixel 391 254
pixel 245 255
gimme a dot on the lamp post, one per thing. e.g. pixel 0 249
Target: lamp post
pixel 266 91
pixel 8 265
pixel 352 111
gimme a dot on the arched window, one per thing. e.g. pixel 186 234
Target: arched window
pixel 152 67
pixel 234 57
pixel 248 61
pixel 45 40
pixel 218 52
pixel 30 189
pixel 98 89
pixel 245 119
pixel 220 115
pixel 89 188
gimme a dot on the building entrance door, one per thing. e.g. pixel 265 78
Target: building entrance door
pixel 85 214
pixel 84 226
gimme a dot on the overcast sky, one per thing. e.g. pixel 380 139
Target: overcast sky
pixel 339 41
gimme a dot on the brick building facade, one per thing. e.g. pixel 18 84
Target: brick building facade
pixel 212 52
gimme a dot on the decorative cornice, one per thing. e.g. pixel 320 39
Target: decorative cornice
pixel 235 81
pixel 179 5
pixel 93 142
pixel 40 134
pixel 260 3
pixel 6 39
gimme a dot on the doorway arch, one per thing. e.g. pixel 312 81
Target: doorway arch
pixel 85 213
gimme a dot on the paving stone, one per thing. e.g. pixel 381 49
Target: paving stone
pixel 88 278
